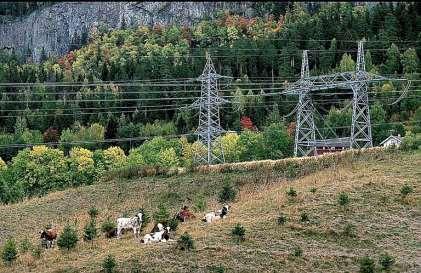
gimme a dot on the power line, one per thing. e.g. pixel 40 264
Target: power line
pixel 18 145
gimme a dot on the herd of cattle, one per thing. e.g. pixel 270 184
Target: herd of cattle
pixel 159 233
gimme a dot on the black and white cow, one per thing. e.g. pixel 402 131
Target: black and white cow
pixel 213 216
pixel 162 235
pixel 130 223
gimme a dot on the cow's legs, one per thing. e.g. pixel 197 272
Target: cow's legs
pixel 118 232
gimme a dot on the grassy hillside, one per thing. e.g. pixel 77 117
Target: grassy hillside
pixel 382 221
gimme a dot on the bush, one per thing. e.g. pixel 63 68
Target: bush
pixel 51 135
pixel 11 189
pixel 68 238
pixel 291 192
pixel 217 268
pixel 92 134
pixel 25 245
pixel 108 226
pixel 276 142
pixel 114 158
pixel 239 233
pixel 89 231
pixel 200 203
pixel 228 193
pixel 386 261
pixel 304 217
pixel 82 167
pixel 252 146
pixel 190 152
pixel 297 251
pixel 228 147
pixel 30 137
pixel 349 230
pixel 10 252
pixel 282 219
pixel 36 251
pixel 185 242
pixel 162 215
pixel 41 169
pixel 109 264
pixel 173 224
pixel 411 141
pixel 406 189
pixel 168 158
pixel 159 152
pixel 93 212
pixel 366 265
pixel 343 199
pixel 145 218
pixel 313 190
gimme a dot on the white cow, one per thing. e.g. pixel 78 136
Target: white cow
pixel 130 223
pixel 158 236
pixel 213 216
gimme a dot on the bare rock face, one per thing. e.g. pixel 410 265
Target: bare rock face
pixel 54 28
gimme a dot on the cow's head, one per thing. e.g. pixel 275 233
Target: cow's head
pixel 139 217
pixel 43 234
pixel 224 211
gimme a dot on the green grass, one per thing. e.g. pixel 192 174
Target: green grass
pixel 382 221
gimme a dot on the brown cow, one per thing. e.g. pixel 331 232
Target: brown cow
pixel 185 214
pixel 48 236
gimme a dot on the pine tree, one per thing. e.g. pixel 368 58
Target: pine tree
pixel 410 61
pixel 392 64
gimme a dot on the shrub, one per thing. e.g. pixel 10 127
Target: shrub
pixel 238 232
pixel 109 264
pixel 158 128
pixel 114 158
pixel 406 189
pixel 276 141
pixel 200 203
pixel 168 158
pixel 162 215
pixel 135 157
pixel 25 245
pixel 92 134
pixel 10 252
pixel 93 212
pixel 297 251
pixel 228 193
pixel 68 238
pixel 82 166
pixel 173 224
pixel 291 192
pixel 89 231
pixel 366 265
pixel 282 219
pixel 51 135
pixel 343 199
pixel 157 152
pixel 304 217
pixel 185 242
pixel 386 261
pixel 411 141
pixel 108 226
pixel 229 147
pixel 36 251
pixel 313 190
pixel 252 146
pixel 30 137
pixel 41 169
pixel 190 152
pixel 349 230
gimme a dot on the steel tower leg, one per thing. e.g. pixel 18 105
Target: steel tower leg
pixel 361 124
pixel 305 131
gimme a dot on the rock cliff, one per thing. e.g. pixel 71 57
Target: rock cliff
pixel 55 29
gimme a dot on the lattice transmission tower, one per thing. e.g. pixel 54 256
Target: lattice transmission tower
pixel 209 119
pixel 358 81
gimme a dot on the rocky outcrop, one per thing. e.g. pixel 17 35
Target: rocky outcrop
pixel 53 29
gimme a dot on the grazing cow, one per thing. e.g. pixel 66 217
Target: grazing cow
pixel 48 236
pixel 129 223
pixel 213 216
pixel 159 236
pixel 185 214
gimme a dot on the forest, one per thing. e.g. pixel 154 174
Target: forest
pixel 109 103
